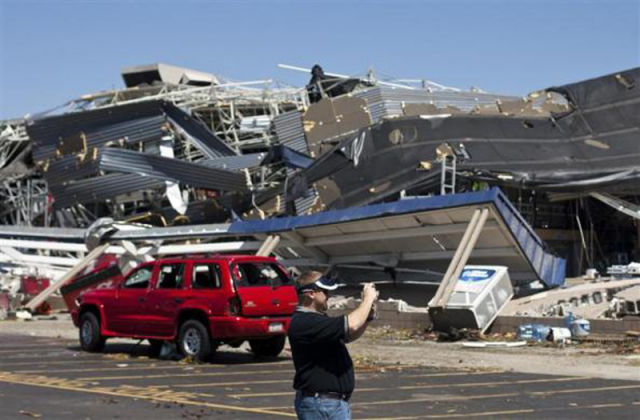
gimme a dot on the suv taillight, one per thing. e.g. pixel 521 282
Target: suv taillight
pixel 234 306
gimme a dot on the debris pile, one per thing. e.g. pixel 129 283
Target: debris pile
pixel 16 290
pixel 602 299
pixel 626 302
pixel 183 146
pixel 178 147
pixel 623 271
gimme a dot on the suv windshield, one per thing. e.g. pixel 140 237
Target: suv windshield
pixel 258 274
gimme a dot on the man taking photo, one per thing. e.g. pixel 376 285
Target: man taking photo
pixel 324 378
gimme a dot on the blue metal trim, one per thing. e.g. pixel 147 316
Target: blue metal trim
pixel 365 212
pixel 548 268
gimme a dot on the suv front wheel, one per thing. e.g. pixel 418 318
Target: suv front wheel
pixel 90 338
pixel 194 341
pixel 269 347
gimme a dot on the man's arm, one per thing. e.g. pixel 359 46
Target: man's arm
pixel 353 336
pixel 357 320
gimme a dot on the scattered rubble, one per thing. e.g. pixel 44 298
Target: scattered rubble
pixel 601 299
pixel 338 302
pixel 626 302
pixel 624 271
pixel 24 315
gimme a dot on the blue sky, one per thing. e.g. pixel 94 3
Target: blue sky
pixel 53 51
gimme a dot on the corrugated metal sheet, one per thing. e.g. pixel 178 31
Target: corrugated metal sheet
pixel 250 160
pixel 67 234
pixel 101 188
pixel 290 132
pixel 68 168
pixel 133 131
pixel 132 121
pixel 549 268
pixel 195 174
pixel 203 139
pixel 383 101
pixel 304 204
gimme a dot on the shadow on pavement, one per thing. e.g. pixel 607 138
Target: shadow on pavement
pixel 220 357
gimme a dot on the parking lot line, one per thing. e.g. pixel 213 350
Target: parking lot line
pixel 207 385
pixel 481 414
pixel 486 413
pixel 29 346
pixel 153 364
pixel 580 390
pixel 540 411
pixel 179 375
pixel 454 373
pixel 39 361
pixel 503 412
pixel 429 386
pixel 36 381
pixel 108 369
pixel 19 354
pixel 218 384
pixel 489 413
pixel 433 398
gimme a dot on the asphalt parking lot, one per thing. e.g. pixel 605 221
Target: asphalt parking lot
pixel 52 378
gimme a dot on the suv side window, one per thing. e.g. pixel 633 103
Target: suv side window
pixel 171 276
pixel 206 276
pixel 258 274
pixel 139 279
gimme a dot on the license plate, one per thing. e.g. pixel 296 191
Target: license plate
pixel 276 327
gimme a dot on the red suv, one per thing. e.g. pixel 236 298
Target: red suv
pixel 200 301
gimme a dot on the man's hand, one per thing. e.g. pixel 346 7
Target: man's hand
pixel 369 293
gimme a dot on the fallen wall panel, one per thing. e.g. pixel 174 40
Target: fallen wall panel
pixel 102 188
pixel 47 133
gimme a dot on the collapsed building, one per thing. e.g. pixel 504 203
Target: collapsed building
pixel 178 147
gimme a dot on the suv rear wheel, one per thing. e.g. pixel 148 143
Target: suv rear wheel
pixel 90 338
pixel 194 341
pixel 270 347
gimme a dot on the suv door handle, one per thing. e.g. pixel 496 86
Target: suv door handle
pixel 275 302
pixel 141 299
pixel 178 300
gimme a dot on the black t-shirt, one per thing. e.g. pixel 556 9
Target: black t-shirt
pixel 320 357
